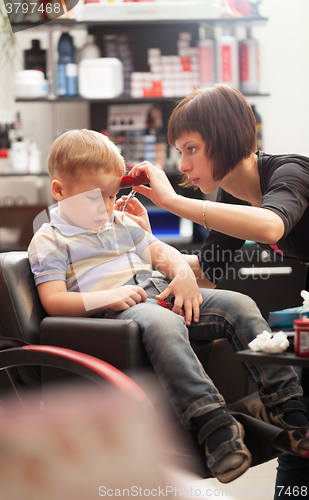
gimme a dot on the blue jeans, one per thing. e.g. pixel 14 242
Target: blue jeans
pixel 292 477
pixel 223 314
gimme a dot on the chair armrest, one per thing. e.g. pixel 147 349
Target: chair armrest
pixel 118 342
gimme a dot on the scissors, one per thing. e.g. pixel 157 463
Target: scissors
pixel 124 204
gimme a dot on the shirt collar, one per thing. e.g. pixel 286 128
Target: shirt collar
pixel 69 230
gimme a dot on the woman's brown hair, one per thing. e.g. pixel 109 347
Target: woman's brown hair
pixel 225 121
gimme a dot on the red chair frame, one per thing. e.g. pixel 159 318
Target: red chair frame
pixel 79 363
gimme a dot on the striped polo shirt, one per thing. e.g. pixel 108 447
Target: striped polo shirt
pixel 89 261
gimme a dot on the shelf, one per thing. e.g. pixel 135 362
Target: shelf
pixel 118 100
pixel 148 30
pixel 25 174
pixel 71 23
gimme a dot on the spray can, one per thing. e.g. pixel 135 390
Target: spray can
pixel 227 58
pixel 249 65
pixel 206 54
pixel 259 131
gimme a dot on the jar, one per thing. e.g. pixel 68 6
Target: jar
pixel 301 338
pixel 29 84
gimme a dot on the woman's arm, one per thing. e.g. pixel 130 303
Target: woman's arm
pixel 240 221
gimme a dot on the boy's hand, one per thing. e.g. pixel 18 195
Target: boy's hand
pixel 136 211
pixel 187 295
pixel 127 296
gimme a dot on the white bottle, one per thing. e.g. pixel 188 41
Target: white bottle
pixel 227 58
pixel 34 164
pixel 90 50
pixel 206 53
pixel 19 156
pixel 249 65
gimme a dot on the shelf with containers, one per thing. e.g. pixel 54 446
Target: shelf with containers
pixel 162 35
pixel 144 35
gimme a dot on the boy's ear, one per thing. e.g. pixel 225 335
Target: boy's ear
pixel 57 190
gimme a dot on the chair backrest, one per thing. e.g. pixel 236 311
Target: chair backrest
pixel 21 311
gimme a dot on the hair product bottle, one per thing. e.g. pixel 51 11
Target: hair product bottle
pixel 67 68
pixel 90 50
pixel 227 58
pixel 249 64
pixel 35 58
pixel 19 156
pixel 206 54
pixel 5 162
pixel 259 131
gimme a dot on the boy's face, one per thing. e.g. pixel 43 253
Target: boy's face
pixel 89 202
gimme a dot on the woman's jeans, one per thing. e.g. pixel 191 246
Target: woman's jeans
pixel 223 314
pixel 293 472
pixel 292 478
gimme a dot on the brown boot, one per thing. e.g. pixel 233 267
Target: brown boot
pixel 232 458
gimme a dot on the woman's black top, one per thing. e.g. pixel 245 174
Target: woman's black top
pixel 284 183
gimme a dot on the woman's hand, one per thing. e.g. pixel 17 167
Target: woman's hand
pixel 160 191
pixel 125 297
pixel 187 295
pixel 136 211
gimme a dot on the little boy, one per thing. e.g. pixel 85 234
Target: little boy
pixel 91 260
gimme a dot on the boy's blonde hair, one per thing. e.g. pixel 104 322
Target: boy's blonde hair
pixel 79 151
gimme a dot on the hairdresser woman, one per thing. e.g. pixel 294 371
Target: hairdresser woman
pixel 261 197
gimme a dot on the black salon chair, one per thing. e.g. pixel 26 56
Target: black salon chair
pixel 117 342
pixel 22 317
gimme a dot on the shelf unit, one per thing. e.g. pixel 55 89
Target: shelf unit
pixel 145 34
pixel 150 33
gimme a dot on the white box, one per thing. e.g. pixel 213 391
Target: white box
pixel 100 78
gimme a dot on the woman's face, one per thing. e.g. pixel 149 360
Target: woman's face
pixel 194 162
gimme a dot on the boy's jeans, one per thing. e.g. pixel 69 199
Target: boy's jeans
pixel 223 314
